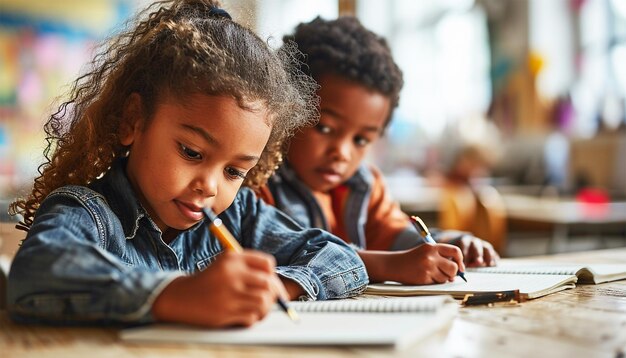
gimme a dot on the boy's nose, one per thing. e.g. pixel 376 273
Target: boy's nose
pixel 341 150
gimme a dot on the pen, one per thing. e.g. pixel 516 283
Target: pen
pixel 423 230
pixel 228 240
pixel 512 297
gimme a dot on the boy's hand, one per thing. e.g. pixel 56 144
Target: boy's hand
pixel 476 252
pixel 423 264
pixel 426 264
pixel 237 289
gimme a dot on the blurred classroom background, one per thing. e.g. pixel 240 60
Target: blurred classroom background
pixel 511 123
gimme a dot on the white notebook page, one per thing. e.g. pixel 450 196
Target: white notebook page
pixel 397 330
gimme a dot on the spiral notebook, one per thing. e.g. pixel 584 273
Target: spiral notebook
pixel 392 322
pixel 586 273
pixel 529 285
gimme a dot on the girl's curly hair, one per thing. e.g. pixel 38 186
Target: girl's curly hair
pixel 344 47
pixel 177 48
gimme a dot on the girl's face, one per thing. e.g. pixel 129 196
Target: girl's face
pixel 192 154
pixel 352 118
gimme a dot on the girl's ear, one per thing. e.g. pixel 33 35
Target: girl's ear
pixel 132 120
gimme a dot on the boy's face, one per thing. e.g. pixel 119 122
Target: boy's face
pixel 192 154
pixel 352 118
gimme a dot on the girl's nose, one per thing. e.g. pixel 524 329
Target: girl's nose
pixel 206 185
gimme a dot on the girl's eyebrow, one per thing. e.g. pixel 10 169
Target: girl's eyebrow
pixel 204 134
pixel 214 142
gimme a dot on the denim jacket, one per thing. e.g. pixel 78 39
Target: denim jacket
pixel 94 255
pixel 369 218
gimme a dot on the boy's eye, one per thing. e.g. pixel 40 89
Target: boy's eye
pixel 235 174
pixel 361 141
pixel 188 153
pixel 322 128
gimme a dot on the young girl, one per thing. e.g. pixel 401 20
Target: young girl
pixel 176 114
pixel 324 182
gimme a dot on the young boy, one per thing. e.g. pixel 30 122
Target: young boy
pixel 324 182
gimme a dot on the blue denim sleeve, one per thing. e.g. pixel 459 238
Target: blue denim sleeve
pixel 63 274
pixel 322 264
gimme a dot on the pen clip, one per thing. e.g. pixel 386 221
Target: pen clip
pixel 419 225
pixel 422 229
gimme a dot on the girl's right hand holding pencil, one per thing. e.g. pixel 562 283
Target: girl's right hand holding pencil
pixel 237 289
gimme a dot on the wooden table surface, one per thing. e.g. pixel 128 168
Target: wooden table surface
pixel 588 321
pixel 564 211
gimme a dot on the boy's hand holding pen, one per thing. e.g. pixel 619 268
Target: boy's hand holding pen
pixel 423 230
pixel 230 243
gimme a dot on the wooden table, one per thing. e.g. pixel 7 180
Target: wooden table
pixel 559 214
pixel 588 321
pixel 562 214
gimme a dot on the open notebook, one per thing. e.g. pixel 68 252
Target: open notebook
pixel 394 322
pixel 586 273
pixel 532 278
pixel 529 285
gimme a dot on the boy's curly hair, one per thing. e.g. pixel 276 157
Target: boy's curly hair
pixel 346 48
pixel 177 48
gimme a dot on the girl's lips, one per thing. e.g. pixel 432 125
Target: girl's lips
pixel 189 211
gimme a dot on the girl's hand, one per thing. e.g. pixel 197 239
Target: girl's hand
pixel 236 289
pixel 423 264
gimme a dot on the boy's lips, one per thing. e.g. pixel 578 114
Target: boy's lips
pixel 330 175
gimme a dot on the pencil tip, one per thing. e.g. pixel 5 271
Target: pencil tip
pixel 293 315
pixel 462 275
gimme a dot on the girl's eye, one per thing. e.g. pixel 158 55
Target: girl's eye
pixel 188 153
pixel 235 174
pixel 361 141
pixel 322 128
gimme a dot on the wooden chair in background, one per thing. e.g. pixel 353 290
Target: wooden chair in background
pixel 491 222
pixel 480 211
pixel 458 207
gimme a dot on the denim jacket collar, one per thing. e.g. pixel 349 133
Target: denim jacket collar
pixel 362 180
pixel 359 186
pixel 122 199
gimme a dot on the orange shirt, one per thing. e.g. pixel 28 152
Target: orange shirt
pixel 384 223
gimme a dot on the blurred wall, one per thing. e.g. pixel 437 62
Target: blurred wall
pixel 43 46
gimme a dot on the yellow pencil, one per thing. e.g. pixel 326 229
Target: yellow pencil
pixel 230 243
